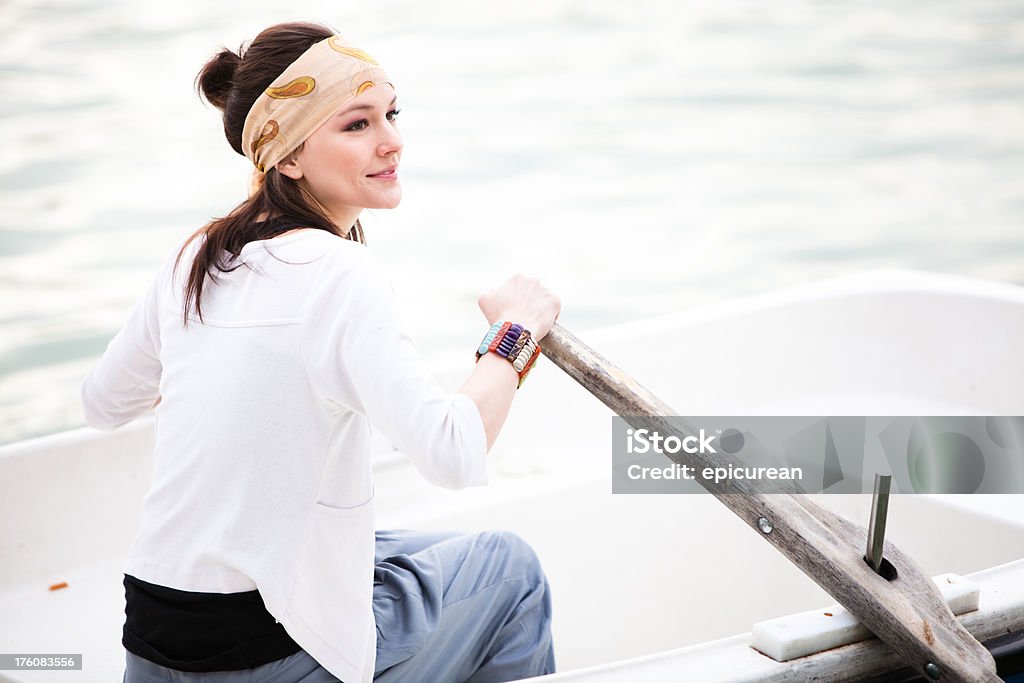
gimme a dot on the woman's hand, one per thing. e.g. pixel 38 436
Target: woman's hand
pixel 522 300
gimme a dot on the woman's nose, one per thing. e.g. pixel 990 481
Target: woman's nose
pixel 391 141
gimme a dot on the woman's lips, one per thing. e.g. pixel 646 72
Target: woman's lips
pixel 386 174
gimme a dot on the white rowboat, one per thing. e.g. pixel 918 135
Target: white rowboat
pixel 646 588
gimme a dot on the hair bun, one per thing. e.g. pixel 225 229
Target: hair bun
pixel 217 76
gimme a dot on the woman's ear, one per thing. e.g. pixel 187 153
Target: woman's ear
pixel 290 167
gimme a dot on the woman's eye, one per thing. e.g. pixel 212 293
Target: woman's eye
pixel 363 123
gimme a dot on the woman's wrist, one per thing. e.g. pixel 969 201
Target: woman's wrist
pixel 527 323
pixel 513 342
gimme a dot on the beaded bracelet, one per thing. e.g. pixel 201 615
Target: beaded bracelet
pixel 512 342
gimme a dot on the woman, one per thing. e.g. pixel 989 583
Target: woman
pixel 268 344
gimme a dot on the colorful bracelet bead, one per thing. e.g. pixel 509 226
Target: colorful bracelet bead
pixel 520 361
pixel 518 346
pixel 509 340
pixel 488 338
pixel 526 352
pixel 529 365
pixel 497 339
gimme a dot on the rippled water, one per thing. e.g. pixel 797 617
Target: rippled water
pixel 640 157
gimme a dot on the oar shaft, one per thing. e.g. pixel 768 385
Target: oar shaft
pixel 908 612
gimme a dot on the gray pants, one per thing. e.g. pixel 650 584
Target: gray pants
pixel 472 608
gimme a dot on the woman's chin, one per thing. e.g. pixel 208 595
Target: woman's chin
pixel 389 202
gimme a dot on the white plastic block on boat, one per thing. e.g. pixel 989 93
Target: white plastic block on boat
pixel 806 633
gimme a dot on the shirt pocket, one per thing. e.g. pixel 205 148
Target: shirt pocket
pixel 346 481
pixel 333 589
pixel 330 510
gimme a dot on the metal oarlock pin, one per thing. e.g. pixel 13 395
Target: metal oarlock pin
pixel 876 527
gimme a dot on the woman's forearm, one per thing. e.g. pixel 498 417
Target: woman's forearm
pixel 492 386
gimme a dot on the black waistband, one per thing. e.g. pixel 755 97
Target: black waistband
pixel 201 632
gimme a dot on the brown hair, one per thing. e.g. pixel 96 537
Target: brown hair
pixel 232 82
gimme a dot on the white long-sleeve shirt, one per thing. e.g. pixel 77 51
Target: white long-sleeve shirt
pixel 262 475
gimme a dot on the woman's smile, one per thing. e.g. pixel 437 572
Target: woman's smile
pixel 390 173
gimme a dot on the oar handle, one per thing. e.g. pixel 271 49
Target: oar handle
pixel 599 376
pixel 638 406
pixel 907 612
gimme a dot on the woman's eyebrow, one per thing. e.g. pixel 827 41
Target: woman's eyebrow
pixel 363 106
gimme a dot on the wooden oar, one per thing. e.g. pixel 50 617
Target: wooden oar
pixel 907 611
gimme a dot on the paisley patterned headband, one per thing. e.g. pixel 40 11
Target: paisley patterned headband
pixel 309 92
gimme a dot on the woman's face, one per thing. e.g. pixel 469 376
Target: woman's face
pixel 351 162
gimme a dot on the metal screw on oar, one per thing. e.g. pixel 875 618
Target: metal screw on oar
pixel 876 527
